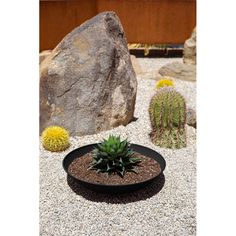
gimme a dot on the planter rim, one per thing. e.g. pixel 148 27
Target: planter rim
pixel 112 185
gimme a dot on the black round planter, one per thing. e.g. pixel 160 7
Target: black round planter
pixel 113 188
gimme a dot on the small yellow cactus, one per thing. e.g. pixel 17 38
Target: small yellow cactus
pixel 166 81
pixel 55 139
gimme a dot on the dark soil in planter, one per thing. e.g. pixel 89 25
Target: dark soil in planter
pixel 147 169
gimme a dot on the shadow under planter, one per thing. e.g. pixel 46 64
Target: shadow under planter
pixel 142 194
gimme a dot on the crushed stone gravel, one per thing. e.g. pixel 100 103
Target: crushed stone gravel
pixel 166 207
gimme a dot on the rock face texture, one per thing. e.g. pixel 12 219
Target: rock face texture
pixel 190 49
pixel 87 83
pixel 43 55
pixel 179 70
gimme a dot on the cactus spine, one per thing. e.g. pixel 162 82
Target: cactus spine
pixel 168 117
pixel 55 139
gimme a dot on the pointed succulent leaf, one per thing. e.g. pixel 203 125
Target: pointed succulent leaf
pixel 132 170
pixel 114 155
pixel 135 159
pixel 123 171
pixel 99 170
pixel 103 153
pixel 91 168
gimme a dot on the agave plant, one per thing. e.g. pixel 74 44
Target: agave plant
pixel 114 156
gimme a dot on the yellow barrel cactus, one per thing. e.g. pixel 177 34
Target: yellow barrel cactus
pixel 166 81
pixel 55 139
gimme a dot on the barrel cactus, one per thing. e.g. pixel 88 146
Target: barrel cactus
pixel 168 118
pixel 165 81
pixel 55 139
pixel 114 156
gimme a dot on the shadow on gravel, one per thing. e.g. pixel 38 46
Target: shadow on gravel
pixel 134 119
pixel 138 195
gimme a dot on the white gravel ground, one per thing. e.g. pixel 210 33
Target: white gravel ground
pixel 166 207
pixel 154 64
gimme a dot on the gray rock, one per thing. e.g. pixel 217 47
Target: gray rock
pixel 87 83
pixel 190 49
pixel 179 70
pixel 191 117
pixel 187 69
pixel 43 55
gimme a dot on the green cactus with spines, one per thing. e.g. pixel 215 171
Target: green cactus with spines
pixel 168 118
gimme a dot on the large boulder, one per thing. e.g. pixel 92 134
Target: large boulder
pixel 179 70
pixel 87 83
pixel 190 49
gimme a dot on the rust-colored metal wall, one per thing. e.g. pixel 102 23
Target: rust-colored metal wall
pixel 144 21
